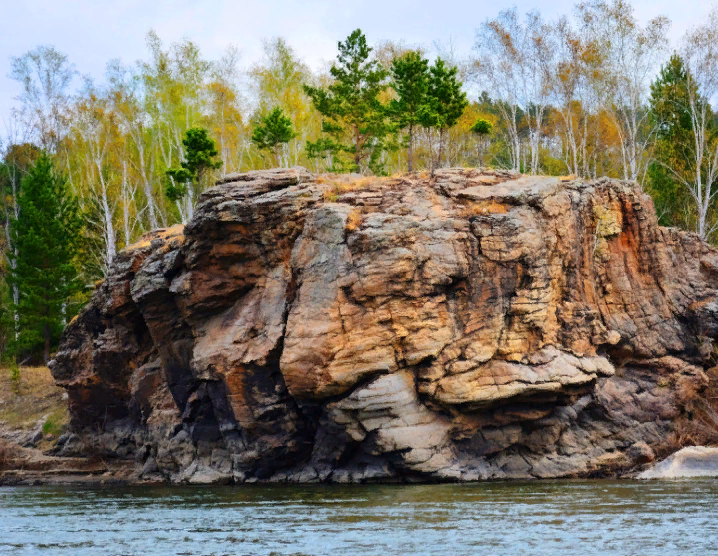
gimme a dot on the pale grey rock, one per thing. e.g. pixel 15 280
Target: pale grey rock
pixel 692 461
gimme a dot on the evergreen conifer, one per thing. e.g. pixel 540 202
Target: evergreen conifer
pixel 45 237
pixel 274 131
pixel 410 75
pixel 354 117
pixel 445 103
pixel 675 141
pixel 200 151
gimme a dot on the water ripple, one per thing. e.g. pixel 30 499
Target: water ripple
pixel 547 518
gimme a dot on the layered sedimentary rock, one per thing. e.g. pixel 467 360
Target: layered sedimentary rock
pixel 473 325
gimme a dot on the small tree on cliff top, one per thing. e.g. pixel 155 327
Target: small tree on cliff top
pixel 199 154
pixel 354 118
pixel 410 75
pixel 45 236
pixel 200 151
pixel 274 131
pixel 445 104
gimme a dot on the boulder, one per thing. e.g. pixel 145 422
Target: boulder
pixel 476 324
pixel 691 461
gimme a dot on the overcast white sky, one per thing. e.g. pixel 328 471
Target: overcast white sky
pixel 93 32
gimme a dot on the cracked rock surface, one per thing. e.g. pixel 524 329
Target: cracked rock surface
pixel 474 325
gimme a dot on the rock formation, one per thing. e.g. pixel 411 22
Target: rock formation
pixel 692 461
pixel 474 325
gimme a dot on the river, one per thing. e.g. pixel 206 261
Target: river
pixel 592 518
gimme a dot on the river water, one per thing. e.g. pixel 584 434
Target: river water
pixel 579 518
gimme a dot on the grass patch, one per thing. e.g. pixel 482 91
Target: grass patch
pixel 353 220
pixel 489 206
pixel 345 183
pixel 34 395
pixel 56 422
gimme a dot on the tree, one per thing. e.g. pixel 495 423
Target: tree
pixel 354 117
pixel 199 152
pixel 445 103
pixel 675 141
pixel 630 55
pixel 94 131
pixel 224 96
pixel 483 129
pixel 173 97
pixel 274 131
pixel 516 59
pixel 45 75
pixel 278 81
pixel 700 54
pixel 410 74
pixel 497 65
pixel 45 234
pixel 575 81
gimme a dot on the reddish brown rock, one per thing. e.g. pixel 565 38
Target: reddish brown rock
pixel 475 325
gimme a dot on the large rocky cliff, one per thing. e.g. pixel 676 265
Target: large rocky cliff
pixel 473 325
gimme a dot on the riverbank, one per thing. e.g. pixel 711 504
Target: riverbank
pixel 33 417
pixel 33 409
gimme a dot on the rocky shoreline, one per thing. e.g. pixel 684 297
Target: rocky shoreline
pixel 477 325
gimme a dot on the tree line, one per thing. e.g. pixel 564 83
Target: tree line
pixel 593 94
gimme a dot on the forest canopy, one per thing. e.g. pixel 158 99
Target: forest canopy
pixel 591 94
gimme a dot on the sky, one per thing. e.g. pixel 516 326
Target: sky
pixel 93 32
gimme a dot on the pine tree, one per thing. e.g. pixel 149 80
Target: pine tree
pixel 410 75
pixel 675 141
pixel 274 131
pixel 200 151
pixel 45 236
pixel 354 118
pixel 445 104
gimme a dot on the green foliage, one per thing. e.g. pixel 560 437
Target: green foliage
pixel 53 425
pixel 410 80
pixel 445 103
pixel 14 373
pixel 327 149
pixel 675 141
pixel 15 376
pixel 274 130
pixel 45 237
pixel 354 117
pixel 199 154
pixel 7 320
pixel 482 127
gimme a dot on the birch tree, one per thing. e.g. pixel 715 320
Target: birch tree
pixel 576 70
pixel 45 75
pixel 700 54
pixel 277 82
pixel 497 64
pixel 630 57
pixel 94 125
pixel 129 108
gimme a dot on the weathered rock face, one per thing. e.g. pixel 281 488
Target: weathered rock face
pixel 475 325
